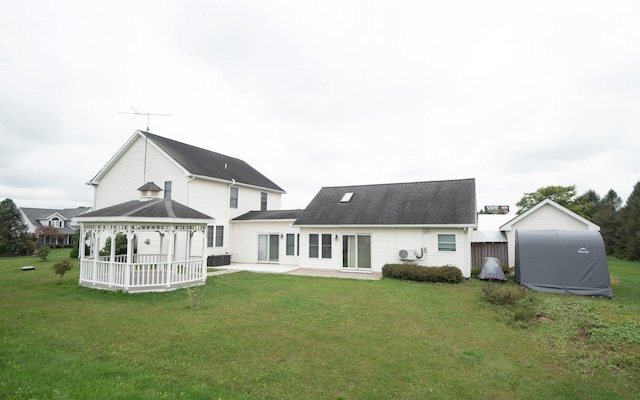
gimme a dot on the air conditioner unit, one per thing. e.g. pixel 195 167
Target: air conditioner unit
pixel 407 255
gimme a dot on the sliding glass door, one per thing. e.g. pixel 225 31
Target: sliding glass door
pixel 268 247
pixel 356 251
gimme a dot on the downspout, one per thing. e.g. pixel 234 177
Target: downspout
pixel 226 242
pixel 191 177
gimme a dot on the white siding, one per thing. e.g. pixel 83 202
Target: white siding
pixel 244 240
pixel 385 244
pixel 121 182
pixel 546 217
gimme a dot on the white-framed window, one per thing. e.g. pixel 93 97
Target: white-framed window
pixel 292 244
pixel 319 245
pixel 446 242
pixel 167 189
pixel 219 235
pixel 263 201
pixel 233 198
pixel 55 222
pixel 210 235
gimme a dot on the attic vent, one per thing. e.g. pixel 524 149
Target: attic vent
pixel 347 197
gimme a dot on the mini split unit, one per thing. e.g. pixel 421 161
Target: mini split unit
pixel 411 255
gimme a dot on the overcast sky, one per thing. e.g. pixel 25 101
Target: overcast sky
pixel 519 95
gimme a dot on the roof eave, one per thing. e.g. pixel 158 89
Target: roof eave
pixel 144 220
pixel 421 226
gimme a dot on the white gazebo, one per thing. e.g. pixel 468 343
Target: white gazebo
pixel 166 245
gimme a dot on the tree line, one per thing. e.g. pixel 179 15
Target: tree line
pixel 619 225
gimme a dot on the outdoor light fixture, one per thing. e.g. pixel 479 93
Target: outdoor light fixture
pixel 147 241
pixel 336 237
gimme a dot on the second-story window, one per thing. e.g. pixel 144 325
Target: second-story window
pixel 233 198
pixel 263 201
pixel 167 189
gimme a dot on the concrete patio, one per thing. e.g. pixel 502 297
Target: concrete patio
pixel 294 270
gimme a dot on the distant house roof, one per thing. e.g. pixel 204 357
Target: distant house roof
pixel 269 215
pixel 136 209
pixel 200 162
pixel 509 225
pixel 35 215
pixel 435 203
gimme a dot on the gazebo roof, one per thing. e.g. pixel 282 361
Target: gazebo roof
pixel 159 209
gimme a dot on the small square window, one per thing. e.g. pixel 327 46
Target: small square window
pixel 446 242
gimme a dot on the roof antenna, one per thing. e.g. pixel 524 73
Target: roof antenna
pixel 135 113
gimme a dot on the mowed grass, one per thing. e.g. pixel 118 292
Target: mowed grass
pixel 260 336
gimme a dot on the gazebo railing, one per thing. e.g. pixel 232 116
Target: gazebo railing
pixel 145 273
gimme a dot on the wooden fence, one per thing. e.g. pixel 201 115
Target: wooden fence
pixel 481 250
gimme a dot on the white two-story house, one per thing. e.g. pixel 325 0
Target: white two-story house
pixel 217 185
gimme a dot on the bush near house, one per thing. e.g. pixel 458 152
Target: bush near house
pixel 415 272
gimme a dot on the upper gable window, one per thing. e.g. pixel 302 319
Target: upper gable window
pixel 55 222
pixel 347 197
pixel 167 189
pixel 233 197
pixel 263 201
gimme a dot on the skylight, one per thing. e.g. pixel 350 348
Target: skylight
pixel 347 197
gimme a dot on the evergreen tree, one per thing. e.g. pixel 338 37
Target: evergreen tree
pixel 586 204
pixel 606 215
pixel 13 230
pixel 629 231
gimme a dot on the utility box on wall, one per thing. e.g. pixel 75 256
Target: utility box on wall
pixel 216 261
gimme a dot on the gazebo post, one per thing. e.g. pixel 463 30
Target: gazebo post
pixel 170 255
pixel 204 255
pixel 95 242
pixel 127 267
pixel 81 249
pixel 112 256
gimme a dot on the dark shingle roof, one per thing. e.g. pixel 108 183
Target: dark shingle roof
pixel 207 163
pixel 160 208
pixel 269 215
pixel 150 187
pixel 451 202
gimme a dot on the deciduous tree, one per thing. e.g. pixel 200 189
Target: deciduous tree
pixel 563 195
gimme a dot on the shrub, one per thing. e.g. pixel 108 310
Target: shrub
pixel 524 314
pixel 415 272
pixel 503 294
pixel 43 253
pixel 61 267
pixel 475 271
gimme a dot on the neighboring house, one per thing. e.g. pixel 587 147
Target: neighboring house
pixel 57 218
pixel 361 228
pixel 217 185
pixel 546 215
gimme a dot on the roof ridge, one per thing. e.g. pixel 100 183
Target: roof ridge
pixel 145 205
pixel 398 183
pixel 153 136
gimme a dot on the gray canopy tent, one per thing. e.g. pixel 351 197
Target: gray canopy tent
pixel 572 262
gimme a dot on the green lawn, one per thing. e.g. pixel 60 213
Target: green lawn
pixel 259 336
